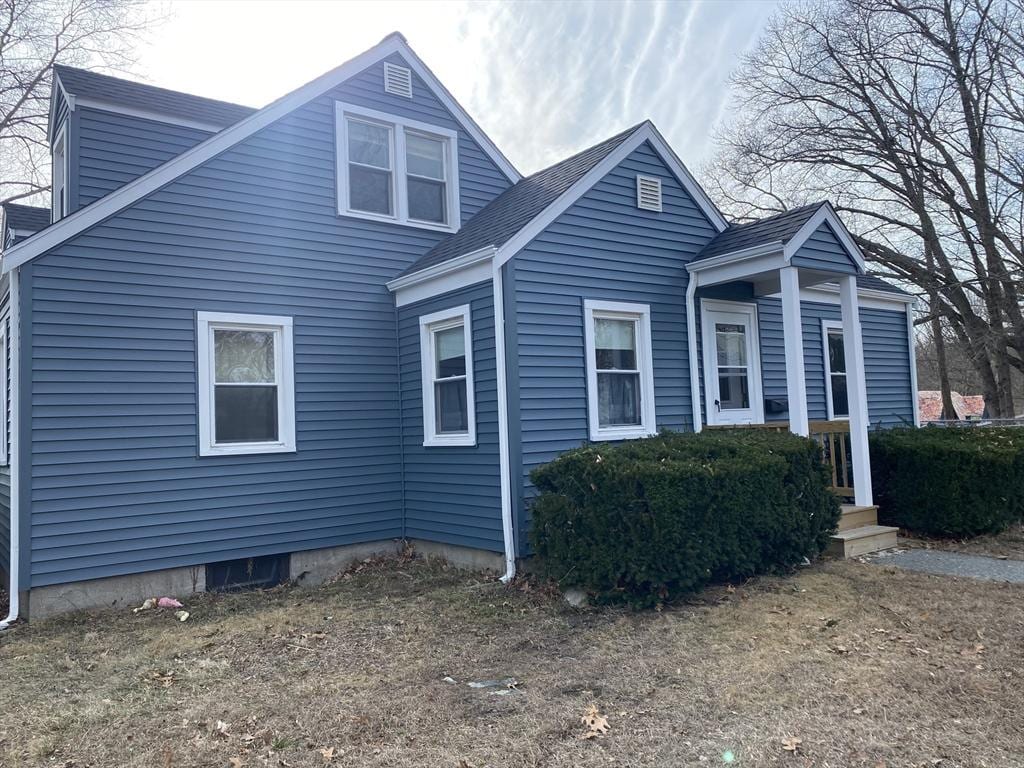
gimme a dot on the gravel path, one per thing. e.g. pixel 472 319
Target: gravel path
pixel 952 564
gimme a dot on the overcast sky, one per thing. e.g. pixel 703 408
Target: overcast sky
pixel 544 79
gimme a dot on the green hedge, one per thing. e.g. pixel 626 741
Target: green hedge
pixel 646 520
pixel 948 481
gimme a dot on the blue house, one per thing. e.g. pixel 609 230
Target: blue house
pixel 255 342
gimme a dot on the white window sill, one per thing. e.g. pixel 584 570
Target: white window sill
pixel 609 435
pixel 399 222
pixel 245 449
pixel 450 440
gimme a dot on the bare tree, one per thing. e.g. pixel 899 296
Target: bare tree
pixel 909 115
pixel 35 35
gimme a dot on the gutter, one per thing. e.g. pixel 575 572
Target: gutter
pixel 503 448
pixel 691 343
pixel 14 351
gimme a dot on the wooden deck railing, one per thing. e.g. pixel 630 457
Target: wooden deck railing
pixel 834 439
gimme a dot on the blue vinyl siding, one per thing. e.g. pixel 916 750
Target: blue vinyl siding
pixel 823 251
pixel 5 467
pixel 452 493
pixel 602 247
pixel 116 485
pixel 114 149
pixel 887 368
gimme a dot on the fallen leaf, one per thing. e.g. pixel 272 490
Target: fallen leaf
pixel 791 743
pixel 327 753
pixel 596 723
pixel 221 728
pixel 182 615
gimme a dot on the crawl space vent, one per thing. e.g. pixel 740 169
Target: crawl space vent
pixel 397 80
pixel 247 573
pixel 648 193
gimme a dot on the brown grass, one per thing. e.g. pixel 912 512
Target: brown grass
pixel 1008 544
pixel 865 665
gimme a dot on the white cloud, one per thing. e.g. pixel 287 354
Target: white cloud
pixel 545 80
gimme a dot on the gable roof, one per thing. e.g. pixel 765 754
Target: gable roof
pixel 875 283
pixel 779 228
pixel 83 86
pixel 176 167
pixel 496 223
pixel 25 218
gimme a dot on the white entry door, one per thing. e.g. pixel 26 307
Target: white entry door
pixel 732 366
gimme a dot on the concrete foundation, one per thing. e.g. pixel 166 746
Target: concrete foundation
pixel 307 568
pixel 315 566
pixel 113 592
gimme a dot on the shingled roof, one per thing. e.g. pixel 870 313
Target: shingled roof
pixel 25 218
pixel 501 219
pixel 115 90
pixel 778 228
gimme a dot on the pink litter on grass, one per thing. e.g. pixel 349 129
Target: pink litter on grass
pixel 168 602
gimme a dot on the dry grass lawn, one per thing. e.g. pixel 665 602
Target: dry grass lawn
pixel 866 666
pixel 1008 544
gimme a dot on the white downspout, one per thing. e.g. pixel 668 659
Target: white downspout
pixel 14 351
pixel 503 449
pixel 691 343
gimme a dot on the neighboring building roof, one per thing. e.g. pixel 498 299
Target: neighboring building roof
pixel 117 91
pixel 25 218
pixel 875 283
pixel 60 231
pixel 779 228
pixel 498 221
pixel 966 406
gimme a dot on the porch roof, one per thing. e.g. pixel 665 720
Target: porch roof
pixel 779 228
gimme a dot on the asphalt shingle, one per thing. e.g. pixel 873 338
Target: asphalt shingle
pixel 780 227
pixel 25 218
pixel 115 90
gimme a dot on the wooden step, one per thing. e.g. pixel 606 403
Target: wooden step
pixel 862 540
pixel 856 517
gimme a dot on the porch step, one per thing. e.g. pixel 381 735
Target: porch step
pixel 860 541
pixel 855 517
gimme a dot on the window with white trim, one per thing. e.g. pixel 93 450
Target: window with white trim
pixel 59 177
pixel 394 169
pixel 246 384
pixel 620 373
pixel 446 354
pixel 836 395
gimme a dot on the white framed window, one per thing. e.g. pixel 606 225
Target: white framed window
pixel 732 363
pixel 246 384
pixel 394 169
pixel 620 370
pixel 834 352
pixel 446 357
pixel 59 176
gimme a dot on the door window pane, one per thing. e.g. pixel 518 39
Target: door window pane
pixel 618 399
pixel 733 389
pixel 731 343
pixel 615 344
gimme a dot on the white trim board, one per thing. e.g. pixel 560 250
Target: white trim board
pixel 146 114
pixel 443 278
pixel 709 349
pixel 162 175
pixel 452 317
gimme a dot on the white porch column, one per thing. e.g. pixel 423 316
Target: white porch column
pixel 856 390
pixel 792 330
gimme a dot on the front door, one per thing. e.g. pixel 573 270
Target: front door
pixel 732 366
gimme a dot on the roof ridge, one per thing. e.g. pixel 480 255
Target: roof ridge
pixel 595 145
pixel 138 84
pixel 789 212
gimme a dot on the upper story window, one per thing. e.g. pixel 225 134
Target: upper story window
pixel 246 384
pixel 394 169
pixel 446 353
pixel 620 373
pixel 835 370
pixel 59 177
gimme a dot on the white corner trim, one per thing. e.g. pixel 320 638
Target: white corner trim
pixel 429 324
pixel 504 451
pixel 148 114
pixel 826 326
pixel 397 127
pixel 61 138
pixel 645 133
pixel 692 353
pixel 912 355
pixel 711 366
pixel 284 368
pixel 826 214
pixel 641 314
pixel 164 174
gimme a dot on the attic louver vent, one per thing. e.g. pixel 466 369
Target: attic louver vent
pixel 648 193
pixel 397 80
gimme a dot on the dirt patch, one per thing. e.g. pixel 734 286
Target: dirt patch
pixel 845 664
pixel 1008 544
